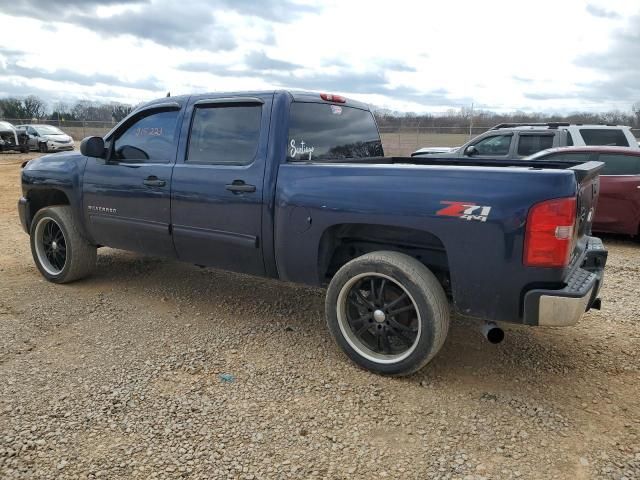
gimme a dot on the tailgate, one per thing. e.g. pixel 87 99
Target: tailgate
pixel 588 178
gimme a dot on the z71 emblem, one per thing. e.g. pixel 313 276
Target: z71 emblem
pixel 465 210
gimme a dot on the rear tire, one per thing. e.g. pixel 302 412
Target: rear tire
pixel 58 249
pixel 388 312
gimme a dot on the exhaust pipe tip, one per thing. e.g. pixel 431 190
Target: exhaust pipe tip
pixel 493 333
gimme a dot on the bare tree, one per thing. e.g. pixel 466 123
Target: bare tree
pixel 120 110
pixel 12 108
pixel 92 111
pixel 63 108
pixel 34 107
pixel 61 112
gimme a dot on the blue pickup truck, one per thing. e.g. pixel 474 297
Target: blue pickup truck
pixel 294 186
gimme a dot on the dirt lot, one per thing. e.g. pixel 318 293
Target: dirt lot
pixel 119 376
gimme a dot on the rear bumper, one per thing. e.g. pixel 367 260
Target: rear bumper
pixel 566 306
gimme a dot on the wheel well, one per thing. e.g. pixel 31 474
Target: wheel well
pixel 341 243
pixel 39 199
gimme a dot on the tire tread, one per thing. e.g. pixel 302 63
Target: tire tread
pixel 83 254
pixel 427 283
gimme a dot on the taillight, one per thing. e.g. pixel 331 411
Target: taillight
pixel 329 97
pixel 549 236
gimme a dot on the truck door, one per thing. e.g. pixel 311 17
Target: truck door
pixel 217 190
pixel 127 196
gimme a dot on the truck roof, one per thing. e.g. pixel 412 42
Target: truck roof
pixel 553 126
pixel 296 95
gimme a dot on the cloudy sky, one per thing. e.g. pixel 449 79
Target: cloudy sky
pixel 547 55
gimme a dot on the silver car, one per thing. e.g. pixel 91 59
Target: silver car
pixel 47 138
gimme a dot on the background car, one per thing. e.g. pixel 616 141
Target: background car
pixel 618 209
pixel 517 140
pixel 47 138
pixel 12 138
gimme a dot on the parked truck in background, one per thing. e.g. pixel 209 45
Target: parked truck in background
pixel 294 186
pixel 518 140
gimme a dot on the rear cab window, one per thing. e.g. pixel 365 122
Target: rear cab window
pixel 604 136
pixel 326 132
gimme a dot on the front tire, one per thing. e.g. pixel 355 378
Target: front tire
pixel 388 312
pixel 58 249
pixel 43 148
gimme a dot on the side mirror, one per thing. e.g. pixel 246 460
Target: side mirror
pixel 470 151
pixel 92 147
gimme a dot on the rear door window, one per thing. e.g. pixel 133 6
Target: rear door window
pixel 223 135
pixel 494 145
pixel 321 131
pixel 619 164
pixel 604 136
pixel 530 144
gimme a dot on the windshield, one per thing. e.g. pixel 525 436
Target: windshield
pixel 48 130
pixel 320 131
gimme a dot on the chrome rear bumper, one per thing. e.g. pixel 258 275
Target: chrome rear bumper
pixel 566 306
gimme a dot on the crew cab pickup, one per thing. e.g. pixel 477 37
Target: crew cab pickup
pixel 294 186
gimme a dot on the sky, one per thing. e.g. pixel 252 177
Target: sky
pixel 419 56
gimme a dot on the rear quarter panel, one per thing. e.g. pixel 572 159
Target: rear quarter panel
pixel 485 257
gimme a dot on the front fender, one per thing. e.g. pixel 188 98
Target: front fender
pixel 60 172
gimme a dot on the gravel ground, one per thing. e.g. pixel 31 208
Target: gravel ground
pixel 156 369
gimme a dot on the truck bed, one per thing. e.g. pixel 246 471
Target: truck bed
pixel 363 202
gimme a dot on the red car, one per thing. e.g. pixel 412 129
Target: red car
pixel 618 208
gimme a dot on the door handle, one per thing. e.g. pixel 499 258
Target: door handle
pixel 153 181
pixel 238 186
